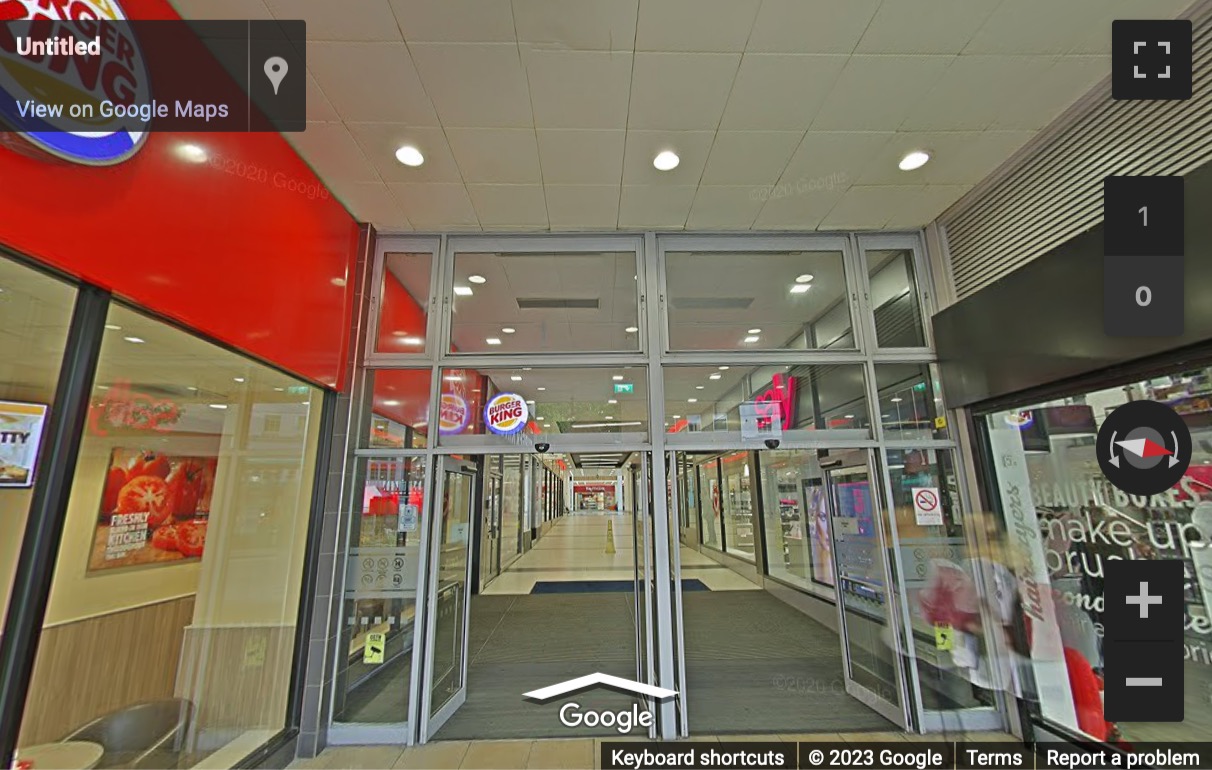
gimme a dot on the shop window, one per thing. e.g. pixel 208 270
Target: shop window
pixel 758 301
pixel 35 311
pixel 894 298
pixel 795 510
pixel 545 303
pixel 756 400
pixel 403 303
pixel 399 408
pixel 1048 481
pixel 910 405
pixel 178 576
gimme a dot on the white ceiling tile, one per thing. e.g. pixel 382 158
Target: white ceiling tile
pixel 363 21
pixel 379 142
pixel 579 89
pixel 827 160
pixel 221 9
pixel 319 109
pixel 869 207
pixel 512 205
pixel 583 207
pixel 372 202
pixel 692 148
pixel 582 25
pixel 435 206
pixel 790 208
pixel 455 21
pixel 659 208
pixel 393 95
pixel 974 90
pixel 956 157
pixel 680 90
pixel 580 156
pixel 725 207
pixel 1067 79
pixel 875 93
pixel 810 26
pixel 780 91
pixel 924 26
pixel 1098 41
pixel 474 85
pixel 1041 26
pixel 332 153
pixel 695 25
pixel 924 207
pixel 496 155
pixel 750 157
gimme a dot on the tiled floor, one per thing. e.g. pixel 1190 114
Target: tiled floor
pixel 575 754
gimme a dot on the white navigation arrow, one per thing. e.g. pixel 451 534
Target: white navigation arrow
pixel 591 680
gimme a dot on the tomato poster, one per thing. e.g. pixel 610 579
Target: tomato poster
pixel 154 509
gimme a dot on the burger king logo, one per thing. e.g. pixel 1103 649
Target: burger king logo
pixel 113 71
pixel 506 414
pixel 453 414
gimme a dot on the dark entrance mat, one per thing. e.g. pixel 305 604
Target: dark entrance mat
pixel 602 586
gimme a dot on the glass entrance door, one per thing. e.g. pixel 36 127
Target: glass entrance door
pixel 490 540
pixel 866 603
pixel 445 684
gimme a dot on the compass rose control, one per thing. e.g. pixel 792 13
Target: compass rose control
pixel 1144 447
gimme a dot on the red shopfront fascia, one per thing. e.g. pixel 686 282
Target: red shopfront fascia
pixel 263 266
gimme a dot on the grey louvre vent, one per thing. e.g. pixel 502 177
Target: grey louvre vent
pixel 539 303
pixel 712 303
pixel 1051 190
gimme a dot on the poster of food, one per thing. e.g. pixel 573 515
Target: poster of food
pixel 154 509
pixel 20 434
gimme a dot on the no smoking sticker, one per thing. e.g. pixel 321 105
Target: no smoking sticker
pixel 926 508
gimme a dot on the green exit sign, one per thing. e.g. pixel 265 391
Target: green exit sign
pixel 624 387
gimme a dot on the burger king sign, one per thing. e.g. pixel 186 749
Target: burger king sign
pixel 506 414
pixel 115 72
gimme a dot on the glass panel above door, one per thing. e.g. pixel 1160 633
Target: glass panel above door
pixel 403 303
pixel 894 299
pixel 781 300
pixel 526 302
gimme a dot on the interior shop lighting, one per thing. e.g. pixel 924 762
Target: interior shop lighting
pixel 113 327
pixel 692 401
pixel 715 376
pixel 238 379
pixel 605 424
pixel 508 330
pixel 666 161
pixel 477 279
pixel 463 291
pixel 755 331
pixel 724 368
pixel 632 329
pixel 192 153
pixel 410 156
pixel 699 387
pixel 612 401
pixel 751 339
pixel 800 288
pixel 135 340
pixel 412 341
pixel 393 402
pixel 515 377
pixel 896 399
pixel 218 406
pixel 493 340
pixel 617 378
pixel 805 278
pixel 542 388
pixel 915 159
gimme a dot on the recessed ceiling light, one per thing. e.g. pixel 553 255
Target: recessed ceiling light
pixel 102 387
pixel 608 417
pixel 338 281
pixel 218 406
pixel 692 401
pixel 493 340
pixel 135 340
pixel 463 291
pixel 632 329
pixel 280 390
pixel 715 376
pixel 541 419
pixel 724 368
pixel 541 388
pixel 805 278
pixel 453 378
pixel 897 399
pixel 391 403
pixel 410 156
pixel 192 153
pixel 617 378
pixel 508 330
pixel 751 339
pixel 477 279
pixel 612 401
pixel 666 161
pixel 516 377
pixel 677 417
pixel 848 416
pixel 412 341
pixel 755 331
pixel 113 327
pixel 699 387
pixel 915 159
pixel 527 368
pixel 800 288
pixel 238 379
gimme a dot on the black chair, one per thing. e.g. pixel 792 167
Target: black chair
pixel 141 735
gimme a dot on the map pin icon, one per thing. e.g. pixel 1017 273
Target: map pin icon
pixel 275 70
